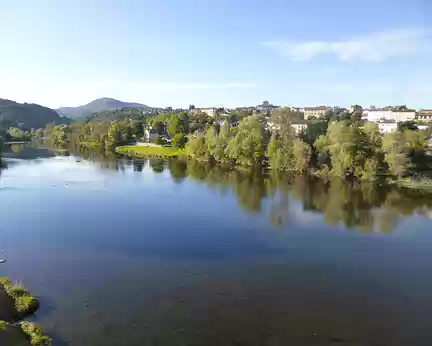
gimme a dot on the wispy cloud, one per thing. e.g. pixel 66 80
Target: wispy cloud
pixel 375 47
pixel 197 86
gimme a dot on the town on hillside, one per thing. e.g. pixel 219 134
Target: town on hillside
pixel 387 118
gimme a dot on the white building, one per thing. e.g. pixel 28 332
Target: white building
pixel 211 112
pixel 377 115
pixel 298 128
pixel 424 115
pixel 387 126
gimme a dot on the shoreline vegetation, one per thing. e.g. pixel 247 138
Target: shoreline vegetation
pixel 17 303
pixel 339 145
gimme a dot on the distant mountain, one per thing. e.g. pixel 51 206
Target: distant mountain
pixel 26 115
pixel 96 106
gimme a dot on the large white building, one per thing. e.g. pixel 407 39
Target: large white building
pixel 377 115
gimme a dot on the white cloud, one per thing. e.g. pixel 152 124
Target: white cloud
pixel 373 47
pixel 197 86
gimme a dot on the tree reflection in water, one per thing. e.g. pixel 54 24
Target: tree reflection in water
pixel 366 207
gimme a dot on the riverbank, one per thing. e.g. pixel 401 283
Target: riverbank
pixel 23 303
pixel 16 303
pixel 416 184
pixel 149 151
pixel 22 334
pixel 167 152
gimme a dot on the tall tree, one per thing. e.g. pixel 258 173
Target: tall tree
pixel 247 147
pixel 197 147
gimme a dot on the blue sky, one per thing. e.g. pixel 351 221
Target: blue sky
pixel 214 53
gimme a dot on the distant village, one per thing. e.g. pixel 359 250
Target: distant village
pixel 387 118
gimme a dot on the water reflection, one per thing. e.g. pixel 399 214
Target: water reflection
pixel 105 249
pixel 368 208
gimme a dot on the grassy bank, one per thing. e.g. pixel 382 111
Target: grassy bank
pixel 24 303
pixel 24 334
pixel 16 303
pixel 142 152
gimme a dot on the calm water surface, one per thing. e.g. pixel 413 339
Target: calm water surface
pixel 171 253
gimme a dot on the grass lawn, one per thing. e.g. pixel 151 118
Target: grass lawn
pixel 138 151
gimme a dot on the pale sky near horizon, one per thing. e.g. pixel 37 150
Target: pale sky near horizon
pixel 217 52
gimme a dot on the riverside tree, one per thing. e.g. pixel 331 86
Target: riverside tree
pixel 350 150
pixel 247 147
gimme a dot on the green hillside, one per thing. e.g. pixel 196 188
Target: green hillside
pixel 96 106
pixel 26 115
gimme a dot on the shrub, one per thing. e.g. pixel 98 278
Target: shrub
pixel 5 281
pixel 35 333
pixel 26 304
pixel 179 140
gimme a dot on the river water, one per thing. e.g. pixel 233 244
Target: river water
pixel 173 253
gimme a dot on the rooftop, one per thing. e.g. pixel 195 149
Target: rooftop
pixel 390 110
pixel 320 108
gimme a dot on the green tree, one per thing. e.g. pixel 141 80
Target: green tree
pixel 175 126
pixel 396 153
pixel 211 138
pixel 118 134
pixel 18 134
pixel 199 121
pixel 353 152
pixel 280 148
pixel 136 128
pixel 59 134
pixel 247 147
pixel 179 140
pixel 197 147
pixel 222 142
pixel 284 117
pixel 301 155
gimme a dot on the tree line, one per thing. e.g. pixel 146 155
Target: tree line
pixel 339 145
pixel 344 148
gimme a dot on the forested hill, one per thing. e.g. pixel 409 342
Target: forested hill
pixel 26 115
pixel 96 106
pixel 118 114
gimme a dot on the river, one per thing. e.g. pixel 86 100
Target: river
pixel 171 253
